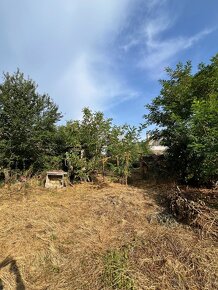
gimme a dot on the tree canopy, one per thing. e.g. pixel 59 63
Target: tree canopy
pixel 95 144
pixel 27 123
pixel 186 118
pixel 30 139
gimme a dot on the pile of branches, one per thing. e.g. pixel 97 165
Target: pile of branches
pixel 195 213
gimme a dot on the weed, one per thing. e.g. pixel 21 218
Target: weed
pixel 116 273
pixel 55 269
pixel 53 237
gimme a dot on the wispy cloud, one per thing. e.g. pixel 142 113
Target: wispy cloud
pixel 151 4
pixel 65 46
pixel 71 48
pixel 156 49
pixel 160 53
pixel 91 83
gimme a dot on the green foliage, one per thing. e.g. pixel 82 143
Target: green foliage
pixel 116 274
pixel 123 148
pixel 96 145
pixel 30 141
pixel 204 137
pixel 86 140
pixel 27 123
pixel 142 147
pixel 185 115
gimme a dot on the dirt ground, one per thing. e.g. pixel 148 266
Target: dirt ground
pixel 98 236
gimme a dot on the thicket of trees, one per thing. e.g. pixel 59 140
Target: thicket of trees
pixel 185 115
pixel 186 118
pixel 95 145
pixel 31 140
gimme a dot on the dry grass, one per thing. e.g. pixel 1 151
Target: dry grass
pixel 104 236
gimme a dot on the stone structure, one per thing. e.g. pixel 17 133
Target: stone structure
pixel 55 179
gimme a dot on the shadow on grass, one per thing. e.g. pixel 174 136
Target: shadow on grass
pixel 15 270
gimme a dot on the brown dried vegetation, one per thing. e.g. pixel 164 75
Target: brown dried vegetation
pixel 99 236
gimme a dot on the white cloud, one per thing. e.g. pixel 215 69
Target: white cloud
pixel 160 53
pixel 65 46
pixel 158 50
pixel 70 47
pixel 151 4
pixel 91 84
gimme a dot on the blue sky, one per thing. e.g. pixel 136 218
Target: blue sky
pixel 105 54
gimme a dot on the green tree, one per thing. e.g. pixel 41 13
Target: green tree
pixel 204 139
pixel 177 113
pixel 170 111
pixel 87 140
pixel 94 144
pixel 123 148
pixel 27 123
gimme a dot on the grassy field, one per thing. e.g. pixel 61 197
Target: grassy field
pixel 99 236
